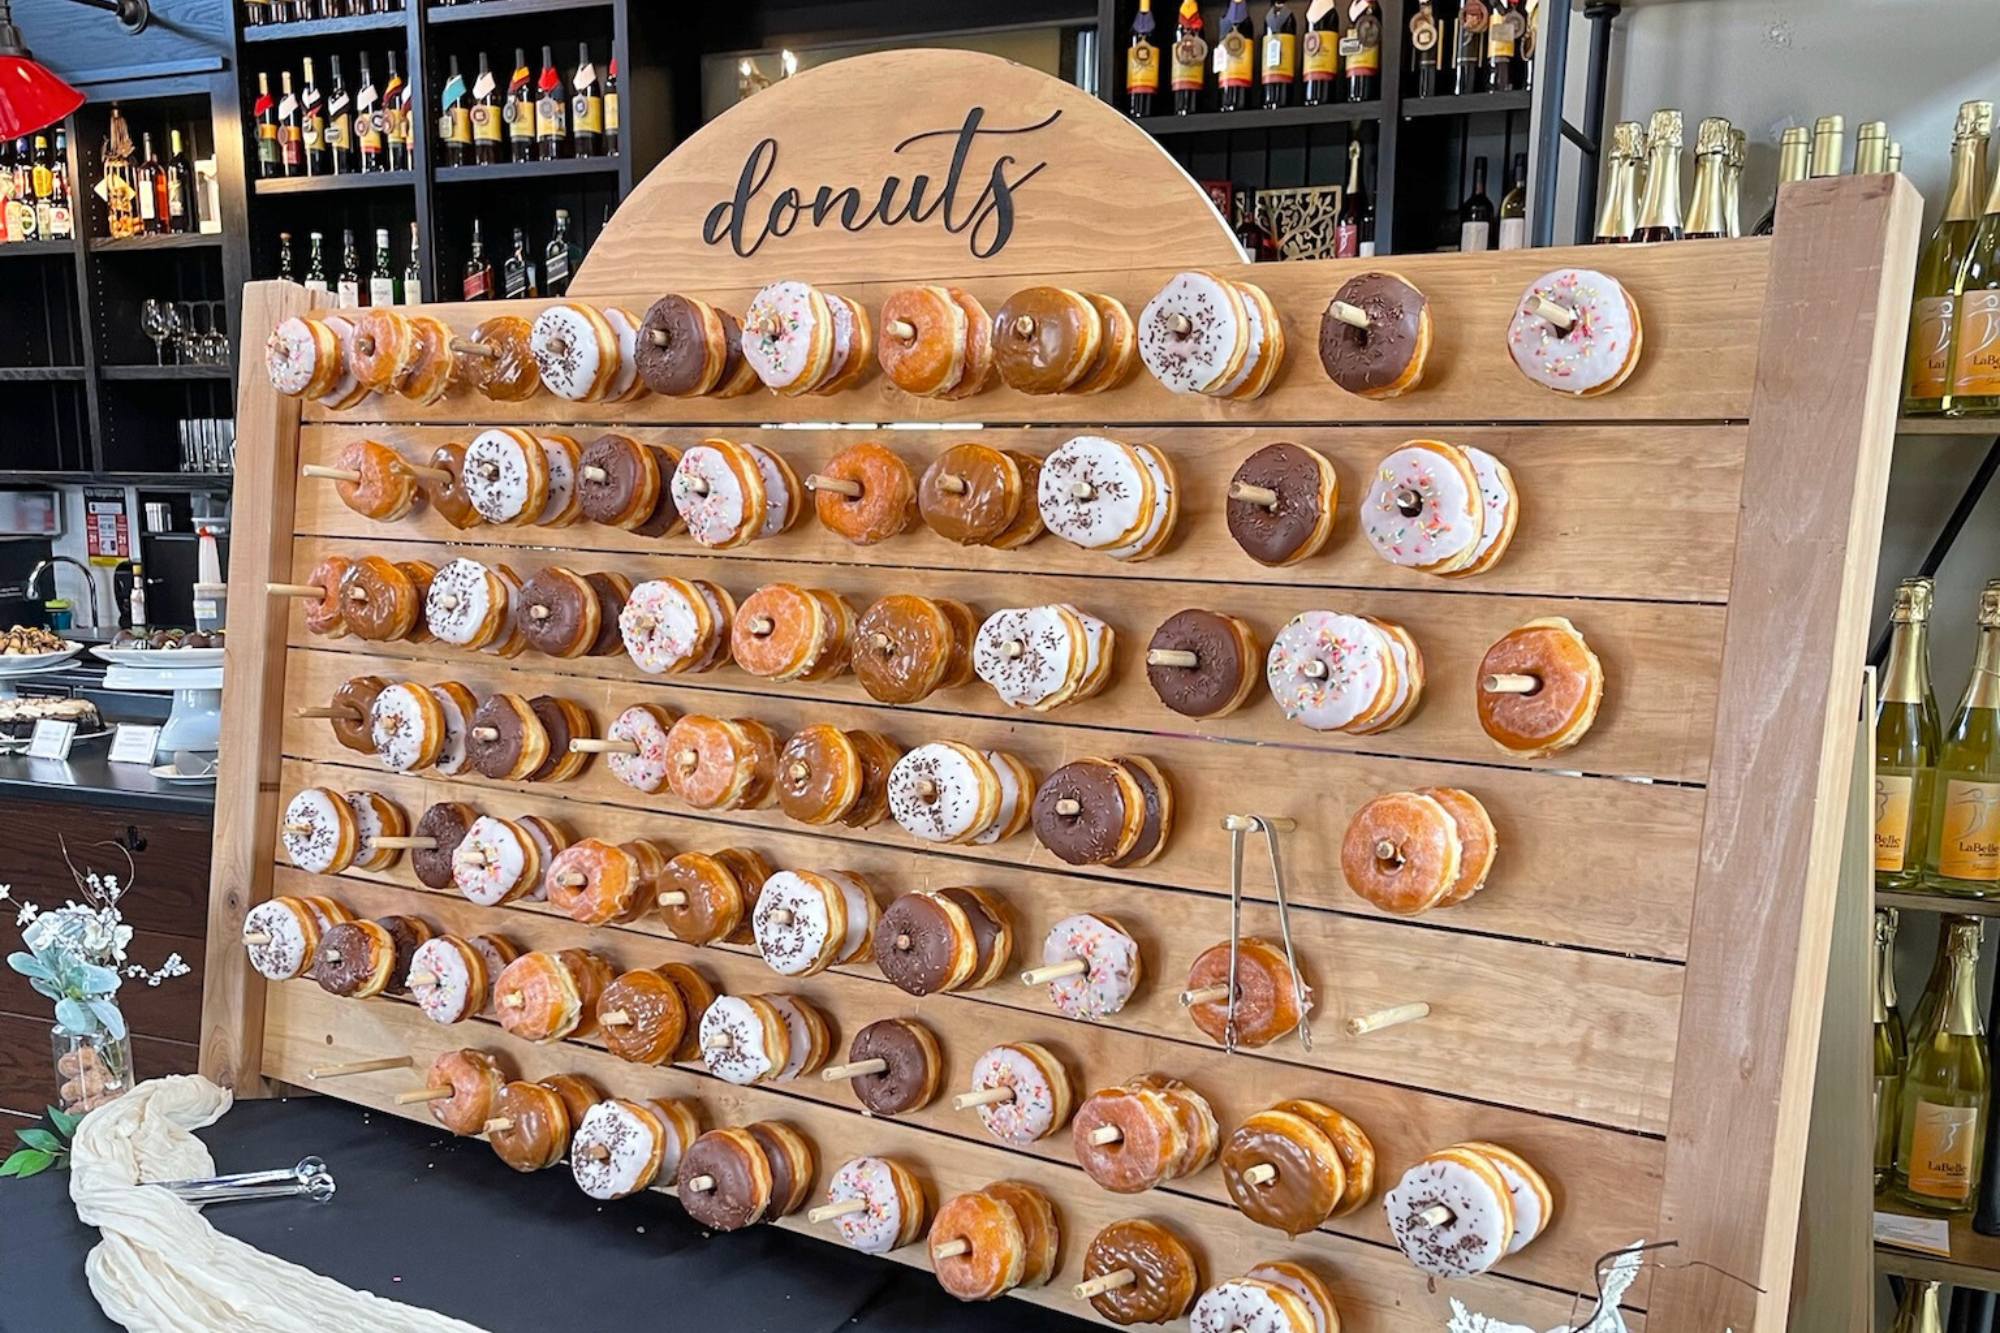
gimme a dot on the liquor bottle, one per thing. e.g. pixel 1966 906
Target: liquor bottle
pixel 1347 226
pixel 1941 1111
pixel 339 124
pixel 1918 1310
pixel 382 281
pixel 551 111
pixel 413 273
pixel 1281 55
pixel 1235 58
pixel 397 126
pixel 1906 739
pixel 1514 206
pixel 1829 140
pixel 1707 218
pixel 62 218
pixel 1320 63
pixel 316 264
pixel 1469 44
pixel 485 115
pixel 1250 233
pixel 254 15
pixel 1142 64
pixel 1503 45
pixel 291 130
pixel 454 128
pixel 370 152
pixel 611 108
pixel 265 109
pixel 477 284
pixel 312 123
pixel 1660 210
pixel 42 184
pixel 1190 67
pixel 1871 148
pixel 1361 51
pixel 517 271
pixel 1886 1078
pixel 560 259
pixel 1732 193
pixel 347 289
pixel 152 189
pixel 1425 37
pixel 1794 148
pixel 1962 851
pixel 1475 227
pixel 177 175
pixel 1975 374
pixel 586 106
pixel 1887 922
pixel 519 112
pixel 285 273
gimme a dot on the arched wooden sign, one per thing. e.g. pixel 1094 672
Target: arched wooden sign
pixel 969 165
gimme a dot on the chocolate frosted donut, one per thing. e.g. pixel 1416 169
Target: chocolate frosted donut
pixel 740 1174
pixel 1274 535
pixel 353 722
pixel 666 515
pixel 986 928
pixel 350 958
pixel 556 722
pixel 1386 357
pixel 611 591
pixel 405 933
pixel 1163 1272
pixel 496 737
pixel 1209 687
pixel 916 944
pixel 1045 339
pixel 677 348
pixel 618 480
pixel 1091 836
pixel 447 821
pixel 1157 810
pixel 911 1054
pixel 561 616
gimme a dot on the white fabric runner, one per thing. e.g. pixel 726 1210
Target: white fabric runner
pixel 162 1266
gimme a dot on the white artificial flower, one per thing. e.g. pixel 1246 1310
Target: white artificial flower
pixel 25 916
pixel 6 891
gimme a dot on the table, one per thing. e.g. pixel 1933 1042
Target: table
pixel 437 1221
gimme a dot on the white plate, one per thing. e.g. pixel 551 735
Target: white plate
pixel 165 659
pixel 25 662
pixel 167 773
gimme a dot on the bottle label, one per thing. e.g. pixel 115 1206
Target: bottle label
pixel 486 124
pixel 1976 366
pixel 1892 820
pixel 477 285
pixel 1322 55
pixel 1969 834
pixel 1513 233
pixel 1942 1139
pixel 293 146
pixel 1930 346
pixel 1367 250
pixel 1362 47
pixel 349 293
pixel 556 261
pixel 1346 240
pixel 381 291
pixel 1281 57
pixel 61 224
pixel 336 132
pixel 456 126
pixel 1142 67
pixel 267 143
pixel 1190 64
pixel 1502 36
pixel 368 129
pixel 314 130
pixel 587 114
pixel 1473 236
pixel 611 115
pixel 519 118
pixel 148 209
pixel 548 117
pixel 1424 30
pixel 1238 66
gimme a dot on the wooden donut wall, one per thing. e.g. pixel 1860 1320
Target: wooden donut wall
pixel 1631 1003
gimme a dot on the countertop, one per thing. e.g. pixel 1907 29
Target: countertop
pixel 87 778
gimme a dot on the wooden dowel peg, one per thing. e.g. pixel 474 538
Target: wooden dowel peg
pixel 499 1124
pixel 1261 1174
pixel 1510 683
pixel 698 484
pixel 854 1069
pixel 901 329
pixel 572 879
pixel 689 760
pixel 826 1212
pixel 592 472
pixel 1097 1286
pixel 257 937
pixel 850 489
pixel 326 473
pixel 951 1249
pixel 1180 324
pixel 1016 648
pixel 779 916
pixel 883 644
pixel 353 714
pixel 722 1042
pixel 952 484
pixel 1434 1216
pixel 1314 670
pixel 700 1185
pixel 479 349
pixel 1069 805
pixel 1203 995
pixel 310 591
pixel 538 612
pixel 1559 315
pixel 926 789
pixel 357 593
pixel 513 999
pixel 1024 326
pixel 1363 1024
pixel 490 471
pixel 903 943
pixel 1082 490
pixel 1251 823
pixel 600 745
pixel 673 899
pixel 447 601
pixel 421 978
pixel 1386 850
pixel 597 1152
pixel 1262 496
pixel 1042 976
pixel 1351 315
pixel 761 626
pixel 471 858
pixel 1172 657
pixel 422 1095
pixel 614 1018
pixel 298 829
pixel 965 1101
pixel 1106 1134
pixel 658 337
pixel 431 474
pixel 414 842
pixel 361 1067
pixel 486 733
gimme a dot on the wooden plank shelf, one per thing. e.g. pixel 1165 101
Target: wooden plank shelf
pixel 351 180
pixel 1988 426
pixel 537 170
pixel 42 374
pixel 182 372
pixel 37 249
pixel 1974 1261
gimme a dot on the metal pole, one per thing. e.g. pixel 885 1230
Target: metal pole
pixel 1554 48
pixel 1975 490
pixel 1595 77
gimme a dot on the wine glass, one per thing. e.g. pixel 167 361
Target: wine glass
pixel 153 323
pixel 186 337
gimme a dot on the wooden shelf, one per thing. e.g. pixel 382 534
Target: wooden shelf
pixel 350 180
pixel 501 171
pixel 193 240
pixel 1938 902
pixel 36 249
pixel 40 374
pixel 322 28
pixel 493 9
pixel 1471 104
pixel 1256 118
pixel 1989 426
pixel 165 372
pixel 1974 1262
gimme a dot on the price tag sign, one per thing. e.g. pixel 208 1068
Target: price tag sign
pixel 1932 1235
pixel 52 739
pixel 133 744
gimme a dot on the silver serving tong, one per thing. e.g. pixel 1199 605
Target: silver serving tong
pixel 309 1179
pixel 1271 826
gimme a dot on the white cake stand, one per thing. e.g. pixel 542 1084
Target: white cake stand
pixel 196 720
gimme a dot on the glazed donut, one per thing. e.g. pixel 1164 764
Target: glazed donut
pixel 1155 1271
pixel 1195 334
pixel 1247 1304
pixel 1534 1203
pixel 650 1017
pixel 506 475
pixel 1332 672
pixel 507 741
pixel 356 959
pixel 499 360
pixel 1282 502
pixel 319 832
pixel 736 1176
pixel 445 824
pixel 992 927
pixel 280 937
pixel 1128 1140
pixel 561 615
pixel 1357 1151
pixel 1039 1092
pixel 420 574
pixel 879 757
pixel 1203 663
pixel 475 1081
pixel 884 504
pixel 456 983
pixel 531 1127
pixel 1375 336
pixel 383 489
pixel 788 336
pixel 447 495
pixel 681 348
pixel 1118 351
pixel 592 882
pixel 302 358
pixel 923 344
pixel 903 648
pixel 433 367
pixel 353 709
pixel 406 724
pixel 1402 853
pixel 1502 504
pixel 347 390
pixel 1599 349
pixel 696 996
pixel 326 615
pixel 972 493
pixel 1271 999
pixel 744 1039
pixel 713 762
pixel 495 862
pixel 617 1149
pixel 376 816
pixel 819 774
pixel 1282 1171
pixel 711 901
pixel 1479 842
pixel 978 1249
pixel 1041 1234
pixel 779 632
pixel 1423 509
pixel 537 998
pixel 978 347
pixel 379 599
pixel 1539 688
pixel 1478 1230
pixel 912 1068
pixel 944 792
pixel 384 343
pixel 1111 971
pixel 891 1211
pixel 1045 339
pixel 618 482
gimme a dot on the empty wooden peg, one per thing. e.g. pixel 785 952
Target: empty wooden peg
pixel 1363 1024
pixel 601 745
pixel 360 1067
pixel 414 842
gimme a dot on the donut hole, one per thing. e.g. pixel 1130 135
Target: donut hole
pixel 1409 503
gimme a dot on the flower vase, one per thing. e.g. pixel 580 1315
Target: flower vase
pixel 92 1067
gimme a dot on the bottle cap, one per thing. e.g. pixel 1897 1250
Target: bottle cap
pixel 1713 136
pixel 1739 149
pixel 1664 131
pixel 1895 156
pixel 1975 120
pixel 1628 140
pixel 1989 605
pixel 1914 596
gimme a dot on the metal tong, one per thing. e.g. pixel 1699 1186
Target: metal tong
pixel 309 1179
pixel 1270 826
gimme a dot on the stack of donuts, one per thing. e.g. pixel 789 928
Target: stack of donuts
pixel 1021 1091
pixel 360 959
pixel 717 763
pixel 731 494
pixel 1441 508
pixel 1460 1210
pixel 783 632
pixel 1540 687
pixel 1336 672
pixel 830 776
pixel 494 860
pixel 1275 1297
pixel 1203 664
pixel 1295 1165
pixel 561 613
pixel 1143 1133
pixel 652 1015
pixel 670 626
pixel 625 484
pixel 1090 964
pixel 281 935
pixel 937 342
pixel 864 494
pixel 587 355
pixel 326 831
pixel 1136 1271
pixel 908 647
pixel 732 1178
pixel 1042 657
pixel 1105 812
pixel 593 882
pixel 990 1241
pixel 1211 335
pixel 532 1123
pixel 952 793
pixel 799 339
pixel 1408 852
pixel 806 921
pixel 875 1204
pixel 893 1065
pixel 373 598
pixel 949 939
pixel 546 996
pixel 687 348
pixel 620 1147
pixel 748 1039
pixel 708 895
pixel 1270 999
pixel 314 358
pixel 1102 495
pixel 1375 335
pixel 976 495
pixel 1053 340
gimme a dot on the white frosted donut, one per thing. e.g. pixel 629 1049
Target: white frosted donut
pixel 366 807
pixel 1530 1219
pixel 801 1043
pixel 1028 653
pixel 1011 796
pixel 842 315
pixel 562 478
pixel 647 770
pixel 1163 505
pixel 1349 656
pixel 1031 1114
pixel 319 833
pixel 1423 509
pixel 862 914
pixel 629 1143
pixel 1474 1238
pixel 291 356
pixel 627 373
pixel 1094 492
pixel 489 861
pixel 1253 333
pixel 537 831
pixel 1248 1305
pixel 1286 1275
pixel 1114 967
pixel 285 952
pixel 1601 346
pixel 568 350
pixel 934 793
pixel 488 948
pixel 447 997
pixel 1096 640
pixel 1197 360
pixel 718 648
pixel 779 329
pixel 778 496
pixel 459 601
pixel 660 626
pixel 733 1044
pixel 348 391
pixel 878 1228
pixel 714 516
pixel 793 921
pixel 453 758
pixel 401 727
pixel 1496 494
pixel 495 475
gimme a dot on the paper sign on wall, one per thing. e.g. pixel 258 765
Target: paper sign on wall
pixel 107 528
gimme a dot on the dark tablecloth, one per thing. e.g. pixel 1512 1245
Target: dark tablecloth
pixel 435 1221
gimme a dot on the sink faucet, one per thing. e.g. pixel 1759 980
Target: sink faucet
pixel 89 580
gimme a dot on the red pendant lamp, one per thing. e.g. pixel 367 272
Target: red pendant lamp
pixel 31 97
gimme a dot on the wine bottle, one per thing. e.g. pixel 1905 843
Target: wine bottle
pixel 1235 58
pixel 1347 225
pixel 1986 1215
pixel 1361 51
pixel 1906 740
pixel 1365 243
pixel 265 109
pixel 1468 44
pixel 347 288
pixel 517 272
pixel 1503 41
pixel 369 150
pixel 413 273
pixel 339 124
pixel 1887 1080
pixel 1281 55
pixel 611 108
pixel 454 130
pixel 152 188
pixel 586 108
pixel 1660 209
pixel 1887 920
pixel 477 283
pixel 1794 148
pixel 312 123
pixel 551 110
pixel 519 113
pixel 1963 848
pixel 62 220
pixel 1475 227
pixel 1708 218
pixel 1514 206
pixel 382 280
pixel 559 260
pixel 1975 373
pixel 1732 192
pixel 1917 1312
pixel 1424 45
pixel 285 273
pixel 1871 148
pixel 316 264
pixel 1190 66
pixel 1941 1115
pixel 485 114
pixel 1142 64
pixel 397 126
pixel 179 174
pixel 1321 62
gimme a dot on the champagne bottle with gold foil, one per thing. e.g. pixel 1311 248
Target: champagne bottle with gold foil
pixel 1941 1112
pixel 1829 146
pixel 1918 1310
pixel 1660 208
pixel 1975 375
pixel 1963 849
pixel 1794 154
pixel 1906 740
pixel 1708 212
pixel 1887 921
pixel 1618 217
pixel 1887 1081
pixel 1732 194
pixel 1895 157
pixel 1871 149
pixel 1934 306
